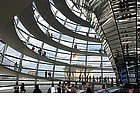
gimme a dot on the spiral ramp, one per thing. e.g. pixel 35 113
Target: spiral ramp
pixel 31 24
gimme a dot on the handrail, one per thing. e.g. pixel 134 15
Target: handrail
pixel 83 50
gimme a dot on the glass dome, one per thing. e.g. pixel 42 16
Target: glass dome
pixel 50 41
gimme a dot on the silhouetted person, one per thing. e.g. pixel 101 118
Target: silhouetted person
pixel 75 46
pixel 22 88
pixel 63 88
pixel 89 78
pixel 93 79
pixel 76 86
pixel 100 50
pixel 112 81
pixel 37 89
pixel 49 74
pixel 20 65
pixel 33 48
pixel 80 77
pixel 105 80
pixel 127 47
pixel 59 88
pixel 44 53
pixel 108 79
pixel 100 79
pixel 97 79
pixel 15 66
pixel 51 35
pixel 40 51
pixel 49 90
pixel 16 88
pixel 46 74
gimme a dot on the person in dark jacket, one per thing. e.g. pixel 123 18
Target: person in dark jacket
pixel 59 88
pixel 88 88
pixel 16 88
pixel 37 89
pixel 22 88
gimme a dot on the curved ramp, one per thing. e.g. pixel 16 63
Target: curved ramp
pixel 27 19
pixel 8 34
pixel 45 10
pixel 5 70
pixel 10 72
pixel 63 8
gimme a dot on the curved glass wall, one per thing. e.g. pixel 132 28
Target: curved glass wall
pixel 76 56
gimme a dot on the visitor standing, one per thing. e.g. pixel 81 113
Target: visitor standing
pixel 20 65
pixel 37 89
pixel 88 88
pixel 22 88
pixel 15 66
pixel 49 74
pixel 59 88
pixel 16 88
pixel 52 88
pixel 46 74
pixel 33 48
pixel 73 89
pixel 40 51
pixel 63 87
pixel 80 77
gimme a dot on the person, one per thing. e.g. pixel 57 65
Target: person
pixel 40 51
pixel 88 88
pixel 100 50
pixel 22 88
pixel 73 89
pixel 108 79
pixel 46 74
pixel 63 87
pixel 131 90
pixel 16 88
pixel 80 77
pixel 100 79
pixel 68 88
pixel 111 81
pixel 33 48
pixel 52 88
pixel 51 35
pixel 37 89
pixel 76 85
pixel 49 74
pixel 75 46
pixel 59 88
pixel 49 90
pixel 97 79
pixel 44 53
pixel 89 78
pixel 15 66
pixel 93 79
pixel 20 66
